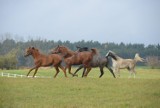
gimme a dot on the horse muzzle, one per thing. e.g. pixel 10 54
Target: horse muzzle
pixel 27 54
pixel 54 52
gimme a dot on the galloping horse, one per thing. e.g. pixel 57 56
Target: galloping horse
pixel 43 60
pixel 75 58
pixel 97 61
pixel 120 63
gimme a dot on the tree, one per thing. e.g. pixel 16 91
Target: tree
pixel 9 60
pixel 153 61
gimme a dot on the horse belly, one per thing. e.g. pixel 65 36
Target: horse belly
pixel 124 65
pixel 93 64
pixel 76 62
pixel 47 62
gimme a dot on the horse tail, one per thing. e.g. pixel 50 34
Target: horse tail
pixel 94 51
pixel 111 54
pixel 111 70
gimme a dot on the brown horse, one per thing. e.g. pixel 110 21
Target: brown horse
pixel 76 58
pixel 41 60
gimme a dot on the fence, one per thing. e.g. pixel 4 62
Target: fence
pixel 20 76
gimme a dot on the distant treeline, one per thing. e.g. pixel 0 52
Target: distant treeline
pixel 12 51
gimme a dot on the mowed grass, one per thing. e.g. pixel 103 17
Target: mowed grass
pixel 77 92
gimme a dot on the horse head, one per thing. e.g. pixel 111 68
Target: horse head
pixel 56 50
pixel 138 58
pixel 61 49
pixel 29 51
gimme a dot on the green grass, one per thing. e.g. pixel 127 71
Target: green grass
pixel 91 92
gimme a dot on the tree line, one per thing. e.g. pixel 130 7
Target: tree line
pixel 12 51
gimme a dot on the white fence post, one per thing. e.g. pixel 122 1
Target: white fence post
pixel 14 75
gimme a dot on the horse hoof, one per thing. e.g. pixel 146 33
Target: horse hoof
pixel 75 75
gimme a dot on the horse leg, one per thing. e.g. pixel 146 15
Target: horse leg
pixel 69 70
pixel 129 72
pixel 102 72
pixel 57 71
pixel 77 70
pixel 134 72
pixel 114 71
pixel 83 72
pixel 61 67
pixel 35 71
pixel 88 70
pixel 30 71
pixel 111 71
pixel 118 72
pixel 86 65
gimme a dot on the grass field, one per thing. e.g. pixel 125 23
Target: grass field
pixel 91 92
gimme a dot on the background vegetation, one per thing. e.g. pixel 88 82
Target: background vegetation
pixel 12 50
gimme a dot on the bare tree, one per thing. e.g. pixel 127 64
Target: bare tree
pixel 153 61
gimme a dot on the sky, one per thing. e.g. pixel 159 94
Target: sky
pixel 127 21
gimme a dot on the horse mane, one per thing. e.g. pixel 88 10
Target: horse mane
pixel 66 51
pixel 66 48
pixel 138 58
pixel 36 49
pixel 136 55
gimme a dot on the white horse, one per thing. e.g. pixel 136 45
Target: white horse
pixel 120 63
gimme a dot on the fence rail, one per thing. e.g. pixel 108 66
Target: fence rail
pixel 4 74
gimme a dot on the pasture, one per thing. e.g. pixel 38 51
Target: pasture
pixel 73 92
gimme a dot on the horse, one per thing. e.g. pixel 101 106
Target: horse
pixel 75 58
pixel 41 60
pixel 80 49
pixel 120 63
pixel 97 61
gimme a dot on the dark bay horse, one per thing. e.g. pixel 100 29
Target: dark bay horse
pixel 97 61
pixel 41 60
pixel 75 58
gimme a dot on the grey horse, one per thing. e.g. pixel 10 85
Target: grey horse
pixel 120 63
pixel 97 61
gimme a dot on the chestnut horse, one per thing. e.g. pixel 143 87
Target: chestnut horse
pixel 76 58
pixel 43 60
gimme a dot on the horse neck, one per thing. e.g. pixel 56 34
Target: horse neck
pixel 68 53
pixel 136 60
pixel 36 54
pixel 117 57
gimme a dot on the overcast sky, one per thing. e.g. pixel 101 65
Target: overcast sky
pixel 128 21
